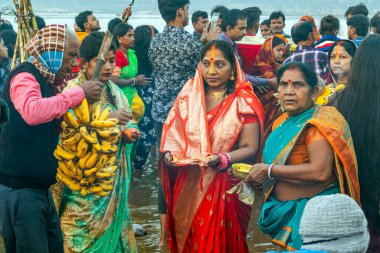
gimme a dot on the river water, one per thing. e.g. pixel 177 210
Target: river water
pixel 143 205
pixel 153 19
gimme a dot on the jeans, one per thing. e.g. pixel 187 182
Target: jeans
pixel 29 221
pixel 161 197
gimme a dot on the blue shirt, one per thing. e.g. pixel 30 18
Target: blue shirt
pixel 358 40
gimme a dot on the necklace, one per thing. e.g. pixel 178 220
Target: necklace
pixel 217 95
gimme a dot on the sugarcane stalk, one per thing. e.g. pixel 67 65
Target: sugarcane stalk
pixel 32 16
pixel 15 51
pixel 102 55
pixel 25 17
pixel 21 46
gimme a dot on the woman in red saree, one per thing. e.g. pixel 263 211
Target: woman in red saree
pixel 267 62
pixel 215 121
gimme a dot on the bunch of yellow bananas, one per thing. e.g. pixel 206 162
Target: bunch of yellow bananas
pixel 86 155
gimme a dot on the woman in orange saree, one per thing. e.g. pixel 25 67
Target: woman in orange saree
pixel 215 121
pixel 267 62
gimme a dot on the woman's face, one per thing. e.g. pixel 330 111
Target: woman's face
pixel 220 74
pixel 340 61
pixel 107 69
pixel 3 50
pixel 278 52
pixel 294 93
pixel 128 40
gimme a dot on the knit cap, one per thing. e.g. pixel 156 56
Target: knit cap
pixel 334 223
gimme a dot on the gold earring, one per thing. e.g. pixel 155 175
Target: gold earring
pixel 232 77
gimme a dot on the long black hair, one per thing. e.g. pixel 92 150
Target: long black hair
pixel 228 53
pixel 360 105
pixel 143 36
pixel 4 62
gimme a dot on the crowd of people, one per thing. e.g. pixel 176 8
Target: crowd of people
pixel 299 109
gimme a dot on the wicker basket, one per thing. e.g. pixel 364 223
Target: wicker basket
pixel 56 192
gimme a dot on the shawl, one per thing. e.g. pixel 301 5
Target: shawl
pixel 46 50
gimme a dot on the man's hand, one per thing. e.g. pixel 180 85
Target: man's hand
pixel 273 83
pixel 209 33
pixel 127 12
pixel 92 90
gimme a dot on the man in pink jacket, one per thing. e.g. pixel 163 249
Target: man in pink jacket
pixel 28 218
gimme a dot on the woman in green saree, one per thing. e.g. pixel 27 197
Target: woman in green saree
pixel 94 223
pixel 309 153
pixel 125 73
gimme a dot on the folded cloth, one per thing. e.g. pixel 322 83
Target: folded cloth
pixel 245 193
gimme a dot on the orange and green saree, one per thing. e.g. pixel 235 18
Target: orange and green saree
pixel 281 219
pixel 201 217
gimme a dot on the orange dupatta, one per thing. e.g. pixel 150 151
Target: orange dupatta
pixel 188 134
pixel 315 29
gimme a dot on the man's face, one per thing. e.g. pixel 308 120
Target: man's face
pixel 185 15
pixel 237 32
pixel 277 25
pixel 200 25
pixel 92 24
pixel 350 32
pixel 219 25
pixel 70 55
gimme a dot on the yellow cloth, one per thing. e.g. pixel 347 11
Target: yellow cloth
pixel 323 99
pixel 81 36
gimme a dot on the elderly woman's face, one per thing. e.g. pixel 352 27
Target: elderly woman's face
pixel 294 92
pixel 218 75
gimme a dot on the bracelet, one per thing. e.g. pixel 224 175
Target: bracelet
pixel 225 161
pixel 134 82
pixel 269 171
